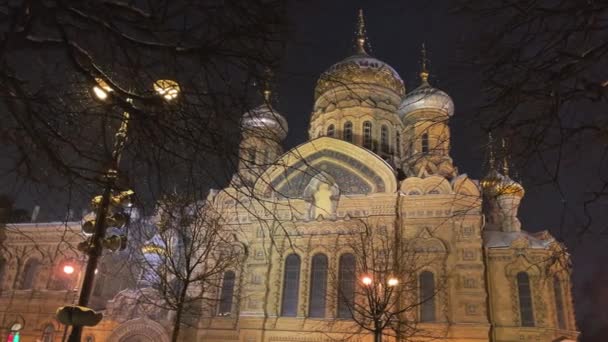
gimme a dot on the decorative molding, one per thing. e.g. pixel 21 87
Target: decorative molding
pixel 148 329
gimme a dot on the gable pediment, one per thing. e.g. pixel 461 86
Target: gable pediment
pixel 356 171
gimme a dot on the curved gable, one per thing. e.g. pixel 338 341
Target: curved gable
pixel 355 170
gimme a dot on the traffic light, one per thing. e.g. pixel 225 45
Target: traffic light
pixel 117 213
pixel 78 315
pixel 115 242
pixel 88 223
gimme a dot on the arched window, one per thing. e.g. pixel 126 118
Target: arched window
pixel 346 285
pixel 525 300
pixel 384 138
pixel 291 286
pixel 425 143
pixel 100 280
pixel 427 296
pixel 227 293
pixel 367 135
pixel 30 271
pixel 2 272
pixel 559 303
pixel 398 143
pixel 318 286
pixel 48 333
pixel 331 130
pixel 348 131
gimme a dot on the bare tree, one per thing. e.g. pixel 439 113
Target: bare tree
pixel 187 260
pixel 544 85
pixel 380 284
pixel 54 134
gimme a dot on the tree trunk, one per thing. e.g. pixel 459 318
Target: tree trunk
pixel 178 314
pixel 378 336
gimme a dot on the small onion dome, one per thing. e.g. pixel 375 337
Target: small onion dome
pixel 362 69
pixel 426 97
pixel 266 121
pixel 496 184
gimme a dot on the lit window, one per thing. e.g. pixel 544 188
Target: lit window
pixel 348 131
pixel 525 300
pixel 384 138
pixel 398 143
pixel 100 281
pixel 331 130
pixel 318 285
pixel 30 271
pixel 227 293
pixel 48 333
pixel 346 285
pixel 427 296
pixel 2 271
pixel 425 143
pixel 367 135
pixel 291 286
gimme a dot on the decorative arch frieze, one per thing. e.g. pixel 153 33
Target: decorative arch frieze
pixel 433 185
pixel 139 329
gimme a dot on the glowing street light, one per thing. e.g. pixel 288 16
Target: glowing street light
pixel 392 282
pixel 366 280
pixel 102 89
pixel 68 269
pixel 168 89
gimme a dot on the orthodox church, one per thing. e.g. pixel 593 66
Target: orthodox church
pixel 379 156
pixel 378 152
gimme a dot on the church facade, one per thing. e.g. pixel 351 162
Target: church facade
pixel 378 159
pixel 378 156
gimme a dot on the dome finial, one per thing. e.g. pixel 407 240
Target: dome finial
pixel 505 159
pixel 266 88
pixel 491 158
pixel 424 73
pixel 361 37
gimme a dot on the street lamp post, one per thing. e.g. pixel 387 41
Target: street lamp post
pixel 379 293
pixel 68 269
pixel 94 245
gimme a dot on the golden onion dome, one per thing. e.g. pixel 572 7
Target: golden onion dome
pixel 496 184
pixel 360 69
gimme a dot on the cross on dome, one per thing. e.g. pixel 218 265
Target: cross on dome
pixel 424 73
pixel 361 34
